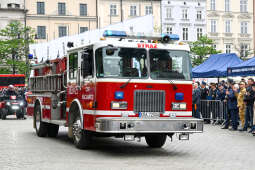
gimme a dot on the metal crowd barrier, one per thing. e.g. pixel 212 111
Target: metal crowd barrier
pixel 214 110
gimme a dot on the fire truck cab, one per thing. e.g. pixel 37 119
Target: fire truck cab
pixel 125 86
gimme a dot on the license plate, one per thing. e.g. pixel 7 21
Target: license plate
pixel 15 107
pixel 148 114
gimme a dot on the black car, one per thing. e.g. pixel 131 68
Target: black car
pixel 12 105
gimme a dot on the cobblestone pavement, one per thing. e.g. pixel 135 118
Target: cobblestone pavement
pixel 217 149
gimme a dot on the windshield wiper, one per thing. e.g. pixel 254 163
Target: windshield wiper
pixel 125 84
pixel 172 83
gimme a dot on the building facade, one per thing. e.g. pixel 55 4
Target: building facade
pixel 115 11
pixel 11 10
pixel 230 25
pixel 187 18
pixel 53 19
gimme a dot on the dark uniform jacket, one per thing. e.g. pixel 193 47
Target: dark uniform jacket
pixel 196 96
pixel 221 94
pixel 204 93
pixel 213 94
pixel 232 100
pixel 249 99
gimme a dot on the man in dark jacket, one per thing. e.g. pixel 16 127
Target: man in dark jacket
pixel 213 92
pixel 232 107
pixel 196 100
pixel 221 93
pixel 249 100
pixel 204 91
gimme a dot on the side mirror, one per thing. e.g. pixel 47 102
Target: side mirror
pixel 110 50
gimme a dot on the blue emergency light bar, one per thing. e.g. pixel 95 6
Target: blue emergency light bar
pixel 113 33
pixel 165 38
pixel 173 37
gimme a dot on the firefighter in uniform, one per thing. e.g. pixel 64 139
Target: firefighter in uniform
pixel 196 101
pixel 240 102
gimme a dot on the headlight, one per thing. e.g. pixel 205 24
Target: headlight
pixel 118 105
pixel 21 104
pixel 179 106
pixel 8 103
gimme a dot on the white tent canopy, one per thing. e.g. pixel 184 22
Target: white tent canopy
pixel 58 47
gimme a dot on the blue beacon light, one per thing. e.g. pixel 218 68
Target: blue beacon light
pixel 113 33
pixel 179 96
pixel 119 95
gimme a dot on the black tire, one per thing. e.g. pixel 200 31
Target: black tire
pixel 41 128
pixel 3 115
pixel 82 138
pixel 155 140
pixel 53 130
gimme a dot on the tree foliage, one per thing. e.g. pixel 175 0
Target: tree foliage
pixel 201 49
pixel 14 40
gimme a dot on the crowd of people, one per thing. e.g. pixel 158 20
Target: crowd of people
pixel 13 91
pixel 239 98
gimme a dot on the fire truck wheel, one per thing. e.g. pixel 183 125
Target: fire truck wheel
pixel 155 140
pixel 81 138
pixel 40 127
pixel 3 114
pixel 52 130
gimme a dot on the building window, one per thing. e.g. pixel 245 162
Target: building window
pixel 83 29
pixel 132 10
pixel 213 5
pixel 62 31
pixel 168 13
pixel 228 48
pixel 185 34
pixel 40 8
pixel 17 5
pixel 244 27
pixel 243 5
pixel 113 10
pixel 83 9
pixel 227 26
pixel 199 15
pixel 169 30
pixel 148 10
pixel 184 14
pixel 244 50
pixel 41 32
pixel 227 5
pixel 199 33
pixel 61 8
pixel 9 5
pixel 213 26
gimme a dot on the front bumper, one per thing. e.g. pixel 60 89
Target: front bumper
pixel 159 125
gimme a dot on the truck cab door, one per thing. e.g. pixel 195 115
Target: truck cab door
pixel 88 88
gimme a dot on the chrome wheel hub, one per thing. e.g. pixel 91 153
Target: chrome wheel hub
pixel 77 130
pixel 37 120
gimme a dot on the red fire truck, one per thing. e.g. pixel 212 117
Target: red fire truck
pixel 127 86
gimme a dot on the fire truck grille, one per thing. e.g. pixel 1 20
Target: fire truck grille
pixel 149 101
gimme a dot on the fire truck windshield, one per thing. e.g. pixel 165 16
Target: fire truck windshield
pixel 169 64
pixel 121 62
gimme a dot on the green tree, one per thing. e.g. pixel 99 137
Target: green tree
pixel 14 41
pixel 201 49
